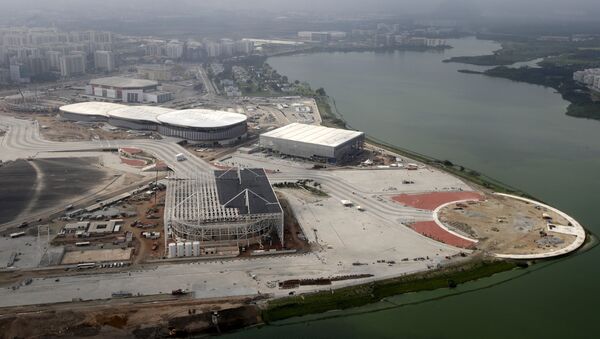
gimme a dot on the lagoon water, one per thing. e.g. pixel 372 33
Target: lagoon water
pixel 517 133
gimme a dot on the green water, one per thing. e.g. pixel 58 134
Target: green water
pixel 517 133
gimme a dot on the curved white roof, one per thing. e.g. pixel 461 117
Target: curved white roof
pixel 201 118
pixel 139 113
pixel 121 82
pixel 91 108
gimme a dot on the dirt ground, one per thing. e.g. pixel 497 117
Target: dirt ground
pixel 144 250
pixel 292 233
pixel 211 154
pixel 142 247
pixel 57 130
pixel 506 225
pixel 138 317
pixel 95 255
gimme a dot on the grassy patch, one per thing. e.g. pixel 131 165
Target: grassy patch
pixel 372 292
pixel 330 119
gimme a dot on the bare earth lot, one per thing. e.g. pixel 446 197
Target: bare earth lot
pixel 505 225
pixel 114 254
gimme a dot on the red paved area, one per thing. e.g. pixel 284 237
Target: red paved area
pixel 133 162
pixel 430 201
pixel 431 230
pixel 223 167
pixel 131 150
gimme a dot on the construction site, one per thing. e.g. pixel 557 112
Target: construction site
pixel 171 219
pixel 504 225
pixel 235 207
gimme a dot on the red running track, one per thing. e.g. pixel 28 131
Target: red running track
pixel 431 230
pixel 430 201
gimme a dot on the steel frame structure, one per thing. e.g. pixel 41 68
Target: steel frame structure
pixel 193 212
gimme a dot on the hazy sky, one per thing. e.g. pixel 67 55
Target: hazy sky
pixel 564 8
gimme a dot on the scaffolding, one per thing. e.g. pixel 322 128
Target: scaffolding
pixel 193 212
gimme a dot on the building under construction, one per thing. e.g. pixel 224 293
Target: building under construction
pixel 30 102
pixel 229 207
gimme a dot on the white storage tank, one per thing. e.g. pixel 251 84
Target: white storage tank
pixel 188 249
pixel 196 245
pixel 172 250
pixel 180 249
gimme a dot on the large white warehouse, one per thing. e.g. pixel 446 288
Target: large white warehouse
pixel 208 127
pixel 313 142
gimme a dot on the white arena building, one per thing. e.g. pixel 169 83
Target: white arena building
pixel 88 111
pixel 137 117
pixel 120 89
pixel 217 127
pixel 208 127
pixel 317 143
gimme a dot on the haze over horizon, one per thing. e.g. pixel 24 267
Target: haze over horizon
pixel 576 9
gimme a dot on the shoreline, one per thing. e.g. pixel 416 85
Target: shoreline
pixel 367 293
pixel 326 49
pixel 282 309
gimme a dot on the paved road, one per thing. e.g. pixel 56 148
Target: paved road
pixel 386 238
pixel 23 139
pixel 208 84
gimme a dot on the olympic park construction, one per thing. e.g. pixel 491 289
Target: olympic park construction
pixel 230 207
pixel 197 125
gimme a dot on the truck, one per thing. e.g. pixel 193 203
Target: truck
pixel 180 157
pixel 17 234
pixel 151 235
pixel 179 291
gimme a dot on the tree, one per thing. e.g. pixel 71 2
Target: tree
pixel 321 92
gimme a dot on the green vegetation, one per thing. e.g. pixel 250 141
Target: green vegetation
pixel 555 71
pixel 305 184
pixel 583 57
pixel 329 118
pixel 359 295
pixel 516 51
pixel 561 79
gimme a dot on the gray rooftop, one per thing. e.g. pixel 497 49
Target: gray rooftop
pixel 248 190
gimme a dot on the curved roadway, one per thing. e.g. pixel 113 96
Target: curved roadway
pixel 23 140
